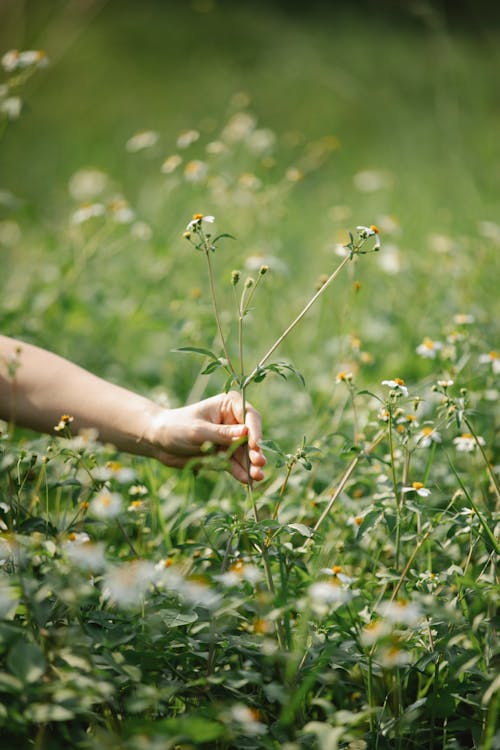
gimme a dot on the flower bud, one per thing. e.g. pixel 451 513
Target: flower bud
pixel 249 282
pixel 263 270
pixel 235 277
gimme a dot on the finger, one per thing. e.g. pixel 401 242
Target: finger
pixel 241 474
pixel 252 418
pixel 223 434
pixel 244 459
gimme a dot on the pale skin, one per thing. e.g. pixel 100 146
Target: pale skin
pixel 37 387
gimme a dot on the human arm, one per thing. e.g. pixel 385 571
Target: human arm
pixel 37 387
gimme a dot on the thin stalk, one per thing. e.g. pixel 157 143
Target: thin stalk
pixel 346 477
pixel 491 473
pixel 216 310
pixel 395 488
pixel 296 320
pixel 474 507
pixel 408 565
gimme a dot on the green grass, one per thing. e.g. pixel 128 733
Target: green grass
pixel 412 98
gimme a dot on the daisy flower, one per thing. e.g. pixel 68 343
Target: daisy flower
pixel 397 385
pixel 428 348
pixel 466 442
pixel 491 358
pixel 419 488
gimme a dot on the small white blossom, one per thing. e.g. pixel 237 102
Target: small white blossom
pixel 84 553
pixel 87 184
pixel 323 595
pixel 171 163
pixel 397 385
pixel 491 358
pixel 196 221
pixel 248 719
pixel 463 319
pixel 11 107
pixel 428 348
pixel 106 504
pixel 187 137
pixel 466 443
pixel 142 140
pixel 87 211
pixel 401 612
pixel 428 435
pixel 127 584
pixel 419 488
pixel 195 171
pixel 14 60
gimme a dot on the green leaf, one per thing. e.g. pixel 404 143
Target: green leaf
pixel 172 618
pixel 188 728
pixel 26 661
pixel 197 350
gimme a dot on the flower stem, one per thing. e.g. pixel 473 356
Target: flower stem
pixel 296 320
pixel 216 310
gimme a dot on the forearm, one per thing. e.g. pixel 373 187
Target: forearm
pixel 42 386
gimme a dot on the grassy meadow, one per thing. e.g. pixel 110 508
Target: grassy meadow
pixel 350 600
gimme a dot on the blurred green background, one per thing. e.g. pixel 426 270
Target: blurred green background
pixel 391 111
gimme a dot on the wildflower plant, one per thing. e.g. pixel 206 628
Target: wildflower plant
pixel 350 602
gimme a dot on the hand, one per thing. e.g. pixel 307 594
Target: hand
pixel 178 434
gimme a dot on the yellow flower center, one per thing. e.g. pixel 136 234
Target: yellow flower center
pixel 417 485
pixel 466 436
pixel 427 431
pixel 197 217
pixel 399 381
pixel 494 355
pixel 374 228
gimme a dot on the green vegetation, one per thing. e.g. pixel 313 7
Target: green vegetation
pixel 350 600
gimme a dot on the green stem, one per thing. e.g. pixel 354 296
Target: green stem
pixel 346 477
pixel 489 468
pixel 296 320
pixel 216 310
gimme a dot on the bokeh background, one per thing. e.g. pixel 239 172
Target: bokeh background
pixel 385 113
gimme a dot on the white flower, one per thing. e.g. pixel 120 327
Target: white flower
pixel 127 584
pixel 428 436
pixel 248 718
pixel 392 656
pixel 374 631
pixel 239 127
pixel 85 554
pixel 14 60
pixel 87 211
pixel 463 319
pixel 11 107
pixel 187 137
pixel 428 348
pixel 336 573
pixel 241 571
pixel 106 504
pixel 195 171
pixel 466 442
pixel 365 232
pixel 491 358
pixel 397 385
pixel 141 140
pixel 121 211
pixel 196 221
pixel 445 383
pixel 401 612
pixel 419 488
pixel 171 163
pixel 138 490
pixel 324 594
pixel 87 183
